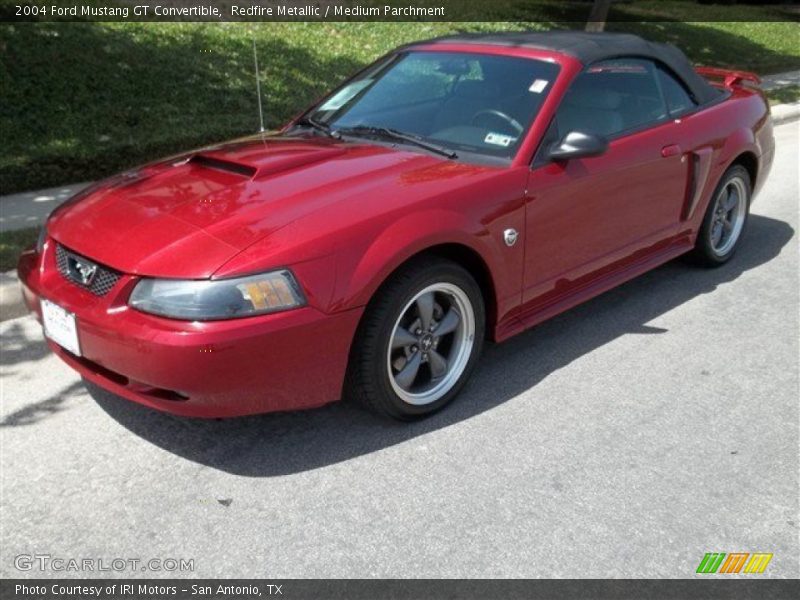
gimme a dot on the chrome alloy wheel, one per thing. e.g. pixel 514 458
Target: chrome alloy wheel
pixel 431 344
pixel 730 210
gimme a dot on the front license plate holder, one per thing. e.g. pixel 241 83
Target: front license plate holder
pixel 61 326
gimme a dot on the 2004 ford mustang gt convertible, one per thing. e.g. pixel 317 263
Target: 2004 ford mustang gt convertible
pixel 456 189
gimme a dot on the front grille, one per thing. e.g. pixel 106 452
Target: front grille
pixel 99 284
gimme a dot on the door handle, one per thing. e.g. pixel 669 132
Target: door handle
pixel 670 150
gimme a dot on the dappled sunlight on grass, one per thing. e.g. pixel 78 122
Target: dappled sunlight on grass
pixel 12 243
pixel 86 100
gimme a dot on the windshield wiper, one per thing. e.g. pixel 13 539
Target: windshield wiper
pixel 323 128
pixel 394 134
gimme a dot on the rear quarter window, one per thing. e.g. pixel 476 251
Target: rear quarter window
pixel 678 99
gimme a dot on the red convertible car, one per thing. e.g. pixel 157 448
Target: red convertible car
pixel 457 189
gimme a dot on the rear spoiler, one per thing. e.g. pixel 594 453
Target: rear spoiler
pixel 729 78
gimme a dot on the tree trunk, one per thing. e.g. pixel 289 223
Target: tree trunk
pixel 597 18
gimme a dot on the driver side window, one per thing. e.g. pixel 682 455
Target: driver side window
pixel 611 97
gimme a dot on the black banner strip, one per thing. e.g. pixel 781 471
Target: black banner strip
pixel 391 10
pixel 398 589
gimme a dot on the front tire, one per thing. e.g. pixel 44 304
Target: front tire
pixel 419 340
pixel 725 219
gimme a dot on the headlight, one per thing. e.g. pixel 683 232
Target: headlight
pixel 41 240
pixel 211 299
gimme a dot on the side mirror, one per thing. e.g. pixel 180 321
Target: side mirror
pixel 578 144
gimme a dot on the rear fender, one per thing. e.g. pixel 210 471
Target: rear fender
pixel 740 141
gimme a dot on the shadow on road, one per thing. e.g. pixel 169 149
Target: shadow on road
pixel 18 348
pixel 285 443
pixel 33 413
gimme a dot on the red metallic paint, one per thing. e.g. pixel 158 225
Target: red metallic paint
pixel 344 216
pixel 225 368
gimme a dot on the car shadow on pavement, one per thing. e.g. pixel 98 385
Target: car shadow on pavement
pixel 285 443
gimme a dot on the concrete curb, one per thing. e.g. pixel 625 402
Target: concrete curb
pixel 781 113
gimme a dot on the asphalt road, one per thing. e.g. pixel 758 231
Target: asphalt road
pixel 625 438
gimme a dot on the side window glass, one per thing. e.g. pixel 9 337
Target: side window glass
pixel 678 99
pixel 611 97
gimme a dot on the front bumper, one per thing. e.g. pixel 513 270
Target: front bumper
pixel 283 361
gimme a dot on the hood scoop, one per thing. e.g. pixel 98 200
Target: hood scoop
pixel 220 164
pixel 258 165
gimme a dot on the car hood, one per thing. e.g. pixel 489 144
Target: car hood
pixel 187 216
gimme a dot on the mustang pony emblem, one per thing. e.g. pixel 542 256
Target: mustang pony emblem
pixel 83 271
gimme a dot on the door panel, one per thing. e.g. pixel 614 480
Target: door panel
pixel 585 215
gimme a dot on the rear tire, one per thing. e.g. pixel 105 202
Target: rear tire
pixel 725 219
pixel 419 340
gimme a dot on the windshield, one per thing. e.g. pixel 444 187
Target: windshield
pixel 465 103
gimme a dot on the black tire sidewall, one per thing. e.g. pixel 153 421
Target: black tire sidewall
pixel 413 281
pixel 704 248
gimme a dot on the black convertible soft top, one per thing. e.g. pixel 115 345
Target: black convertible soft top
pixel 591 47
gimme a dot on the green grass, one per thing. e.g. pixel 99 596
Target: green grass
pixel 79 101
pixel 14 242
pixel 784 95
